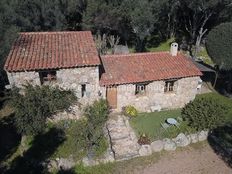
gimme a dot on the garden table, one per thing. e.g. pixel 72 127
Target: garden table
pixel 171 121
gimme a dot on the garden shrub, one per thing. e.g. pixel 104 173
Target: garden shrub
pixel 204 113
pixel 36 104
pixel 130 111
pixel 97 115
pixel 143 140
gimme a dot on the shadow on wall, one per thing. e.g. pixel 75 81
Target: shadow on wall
pixel 42 147
pixel 220 139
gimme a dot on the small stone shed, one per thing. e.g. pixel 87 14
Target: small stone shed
pixel 149 81
pixel 67 59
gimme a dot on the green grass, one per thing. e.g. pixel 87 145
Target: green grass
pixel 150 123
pixel 164 46
pixel 123 167
pixel 205 57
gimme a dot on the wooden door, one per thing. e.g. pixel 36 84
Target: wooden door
pixel 111 95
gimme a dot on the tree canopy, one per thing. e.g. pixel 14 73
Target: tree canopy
pixel 218 45
pixel 137 23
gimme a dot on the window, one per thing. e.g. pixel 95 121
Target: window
pixel 140 89
pixel 47 76
pixel 169 86
pixel 83 90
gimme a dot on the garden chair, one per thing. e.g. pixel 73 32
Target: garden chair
pixel 165 125
pixel 177 125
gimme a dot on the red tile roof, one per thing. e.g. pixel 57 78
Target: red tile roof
pixel 52 50
pixel 145 67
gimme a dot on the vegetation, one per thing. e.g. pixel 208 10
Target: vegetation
pixel 37 104
pixel 225 101
pixel 144 139
pixel 75 141
pixel 133 21
pixel 219 45
pixel 150 124
pixel 204 113
pixel 96 115
pixel 130 111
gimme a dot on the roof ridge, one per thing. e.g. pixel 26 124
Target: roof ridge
pixel 137 54
pixel 52 32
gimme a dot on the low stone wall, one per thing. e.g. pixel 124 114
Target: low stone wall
pixel 167 144
pixel 185 91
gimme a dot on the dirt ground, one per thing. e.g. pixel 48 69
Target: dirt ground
pixel 189 161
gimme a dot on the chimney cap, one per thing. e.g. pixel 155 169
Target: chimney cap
pixel 174 49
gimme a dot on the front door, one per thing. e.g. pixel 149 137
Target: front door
pixel 111 95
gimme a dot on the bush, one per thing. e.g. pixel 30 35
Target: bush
pixel 97 115
pixel 36 104
pixel 218 45
pixel 204 113
pixel 143 140
pixel 130 111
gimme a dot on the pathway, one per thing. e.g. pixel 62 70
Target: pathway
pixel 123 138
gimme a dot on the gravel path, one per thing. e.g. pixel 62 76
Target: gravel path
pixel 189 161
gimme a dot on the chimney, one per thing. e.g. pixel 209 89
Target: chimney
pixel 174 49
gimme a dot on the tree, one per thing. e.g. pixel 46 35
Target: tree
pixel 41 15
pixel 37 104
pixel 140 15
pixel 8 31
pixel 218 45
pixel 167 20
pixel 195 17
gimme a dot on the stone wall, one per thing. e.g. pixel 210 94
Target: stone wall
pixel 67 79
pixel 20 78
pixel 74 78
pixel 185 91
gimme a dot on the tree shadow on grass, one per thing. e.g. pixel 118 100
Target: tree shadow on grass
pixel 70 171
pixel 9 138
pixel 42 147
pixel 220 139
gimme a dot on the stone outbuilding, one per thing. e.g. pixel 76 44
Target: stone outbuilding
pixel 148 81
pixel 67 59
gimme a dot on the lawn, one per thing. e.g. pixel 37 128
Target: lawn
pixel 163 46
pixel 205 57
pixel 150 123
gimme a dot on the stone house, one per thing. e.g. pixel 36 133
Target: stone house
pixel 67 59
pixel 148 81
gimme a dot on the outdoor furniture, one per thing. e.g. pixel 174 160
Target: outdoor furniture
pixel 156 108
pixel 165 125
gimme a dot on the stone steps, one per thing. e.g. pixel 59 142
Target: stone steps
pixel 123 139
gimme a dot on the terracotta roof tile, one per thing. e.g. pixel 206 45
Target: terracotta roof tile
pixel 52 50
pixel 144 67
